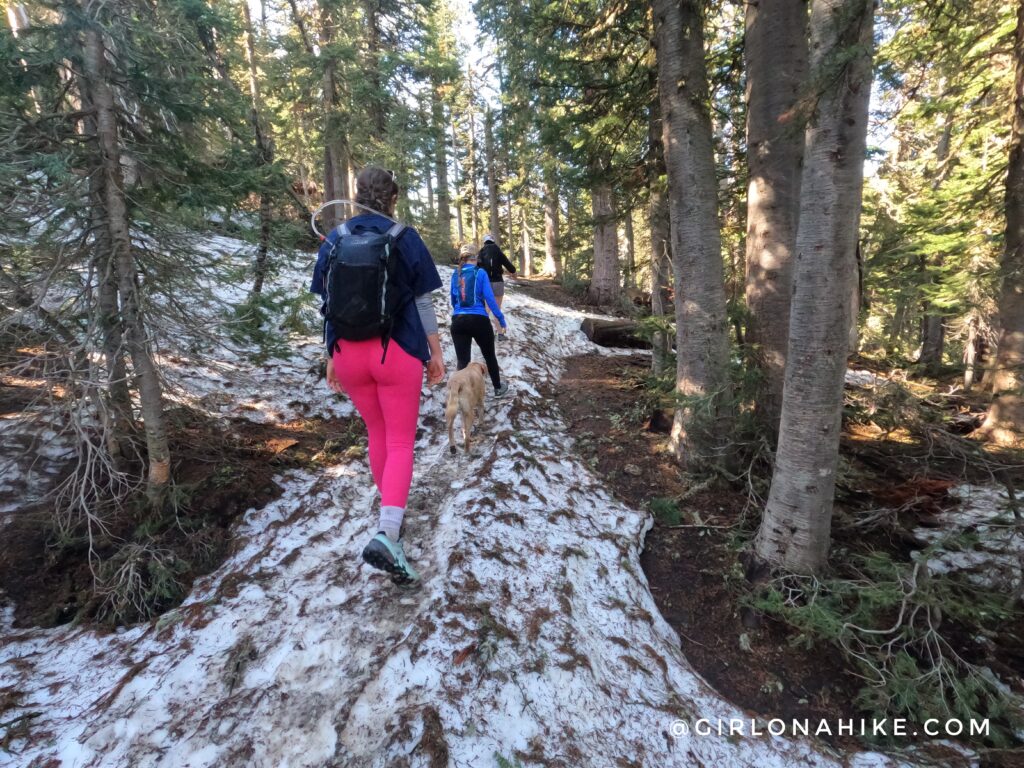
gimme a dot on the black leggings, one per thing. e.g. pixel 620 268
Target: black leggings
pixel 469 328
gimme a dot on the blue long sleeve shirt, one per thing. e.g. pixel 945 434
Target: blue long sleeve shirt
pixel 483 295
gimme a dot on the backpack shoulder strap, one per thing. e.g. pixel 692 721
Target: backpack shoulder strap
pixel 343 231
pixel 396 231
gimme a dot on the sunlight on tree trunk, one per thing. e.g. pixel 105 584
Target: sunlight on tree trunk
pixel 796 525
pixel 775 58
pixel 701 426
pixel 492 177
pixel 604 285
pixel 552 257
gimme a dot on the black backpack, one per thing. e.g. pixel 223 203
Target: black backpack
pixel 486 259
pixel 362 296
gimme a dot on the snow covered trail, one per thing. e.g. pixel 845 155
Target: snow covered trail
pixel 533 636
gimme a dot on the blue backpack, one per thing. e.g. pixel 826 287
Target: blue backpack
pixel 466 288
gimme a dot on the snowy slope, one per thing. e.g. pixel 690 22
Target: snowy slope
pixel 533 631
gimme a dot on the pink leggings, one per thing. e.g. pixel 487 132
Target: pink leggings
pixel 388 398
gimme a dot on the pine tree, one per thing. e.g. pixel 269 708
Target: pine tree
pixel 775 55
pixel 1005 422
pixel 701 332
pixel 795 528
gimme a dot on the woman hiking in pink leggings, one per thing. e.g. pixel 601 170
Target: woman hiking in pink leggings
pixel 381 368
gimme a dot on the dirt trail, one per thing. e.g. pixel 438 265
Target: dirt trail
pixel 533 637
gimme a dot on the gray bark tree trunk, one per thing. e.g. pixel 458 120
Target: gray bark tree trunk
pixel 431 210
pixel 336 154
pixel 372 70
pixel 933 339
pixel 658 223
pixel 526 264
pixel 510 222
pixel 795 528
pixel 1005 421
pixel 474 200
pixel 933 327
pixel 604 284
pixel 552 257
pixel 775 54
pixel 444 214
pixel 700 431
pixel 492 177
pixel 116 394
pixel 116 214
pixel 264 153
pixel 459 233
pixel 629 270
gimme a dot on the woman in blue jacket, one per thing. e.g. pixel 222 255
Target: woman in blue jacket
pixel 471 295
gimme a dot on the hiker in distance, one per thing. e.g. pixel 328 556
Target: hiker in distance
pixel 375 276
pixel 471 298
pixel 495 263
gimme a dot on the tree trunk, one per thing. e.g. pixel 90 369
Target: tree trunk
pixel 629 273
pixel 795 529
pixel 1005 421
pixel 474 201
pixel 116 213
pixel 18 19
pixel 604 284
pixel 526 266
pixel 511 223
pixel 973 349
pixel 116 396
pixel 856 297
pixel 375 105
pixel 444 215
pixel 460 235
pixel 702 343
pixel 492 177
pixel 933 328
pixel 658 223
pixel 552 258
pixel 775 52
pixel 431 210
pixel 336 155
pixel 933 340
pixel 264 154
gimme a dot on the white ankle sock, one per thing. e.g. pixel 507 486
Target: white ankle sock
pixel 391 521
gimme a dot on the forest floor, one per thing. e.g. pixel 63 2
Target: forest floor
pixel 693 560
pixel 534 639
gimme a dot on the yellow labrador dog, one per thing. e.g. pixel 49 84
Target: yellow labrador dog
pixel 465 396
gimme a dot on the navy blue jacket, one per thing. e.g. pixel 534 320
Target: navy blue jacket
pixel 416 274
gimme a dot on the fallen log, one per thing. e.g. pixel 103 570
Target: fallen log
pixel 614 333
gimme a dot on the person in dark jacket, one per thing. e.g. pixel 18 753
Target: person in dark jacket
pixel 495 263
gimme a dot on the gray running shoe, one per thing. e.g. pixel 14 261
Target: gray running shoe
pixel 502 390
pixel 389 556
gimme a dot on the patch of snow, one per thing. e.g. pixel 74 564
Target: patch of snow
pixel 534 628
pixel 980 539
